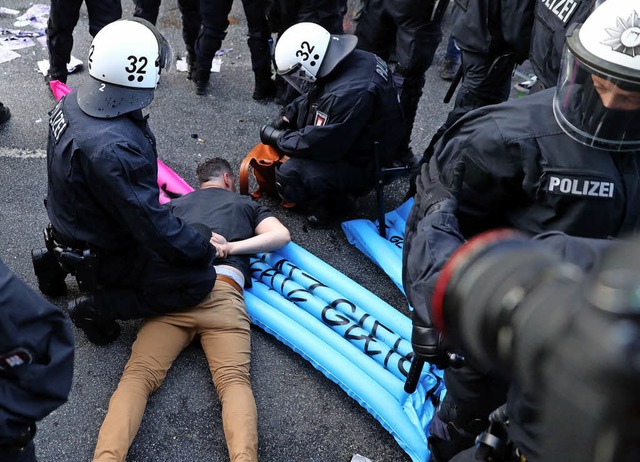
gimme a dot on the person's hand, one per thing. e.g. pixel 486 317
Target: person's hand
pixel 269 135
pixel 428 345
pixel 280 123
pixel 220 243
pixel 433 194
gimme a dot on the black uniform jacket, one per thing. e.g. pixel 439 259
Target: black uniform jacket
pixel 494 27
pixel 103 190
pixel 521 171
pixel 552 19
pixel 345 113
pixel 36 357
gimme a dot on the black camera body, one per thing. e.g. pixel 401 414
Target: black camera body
pixel 567 338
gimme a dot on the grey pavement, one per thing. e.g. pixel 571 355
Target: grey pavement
pixel 303 416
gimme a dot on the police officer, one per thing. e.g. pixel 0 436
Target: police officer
pixel 493 37
pixel 205 27
pixel 347 103
pixel 562 159
pixel 36 364
pixel 406 34
pixel 63 17
pixel 107 226
pixel 552 18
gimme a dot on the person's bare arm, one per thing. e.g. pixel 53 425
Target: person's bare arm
pixel 270 235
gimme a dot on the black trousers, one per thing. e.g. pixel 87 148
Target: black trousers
pixel 63 17
pixel 147 9
pixel 403 33
pixel 140 284
pixel 205 24
pixel 486 80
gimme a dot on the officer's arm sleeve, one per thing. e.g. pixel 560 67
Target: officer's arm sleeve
pixel 131 191
pixel 583 252
pixel 36 357
pixel 293 109
pixel 332 141
pixel 493 171
pixel 429 240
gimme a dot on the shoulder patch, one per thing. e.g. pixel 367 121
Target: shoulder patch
pixel 321 119
pixel 14 358
pixel 57 122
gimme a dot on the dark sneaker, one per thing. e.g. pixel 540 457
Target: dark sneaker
pixel 98 329
pixel 320 219
pixel 49 274
pixel 448 69
pixel 525 87
pixel 325 215
pixel 5 114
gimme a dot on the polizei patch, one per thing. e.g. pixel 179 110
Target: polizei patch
pixel 573 186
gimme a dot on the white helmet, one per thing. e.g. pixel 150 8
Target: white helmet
pixel 125 61
pixel 597 100
pixel 308 51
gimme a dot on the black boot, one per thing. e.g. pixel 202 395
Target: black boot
pixel 98 328
pixel 326 214
pixel 5 114
pixel 49 274
pixel 265 87
pixel 200 77
pixel 56 74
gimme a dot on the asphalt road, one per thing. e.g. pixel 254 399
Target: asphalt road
pixel 303 416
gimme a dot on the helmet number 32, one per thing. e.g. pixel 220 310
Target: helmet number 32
pixel 136 66
pixel 305 52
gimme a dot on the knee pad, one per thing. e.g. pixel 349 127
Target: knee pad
pixel 289 186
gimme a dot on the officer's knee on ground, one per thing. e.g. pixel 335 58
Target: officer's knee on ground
pixel 289 185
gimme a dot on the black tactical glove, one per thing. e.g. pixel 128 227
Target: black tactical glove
pixel 428 345
pixel 269 135
pixel 433 194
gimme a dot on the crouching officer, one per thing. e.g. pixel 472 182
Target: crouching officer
pixel 564 159
pixel 36 364
pixel 347 103
pixel 133 257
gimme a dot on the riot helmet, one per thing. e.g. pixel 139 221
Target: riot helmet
pixel 597 100
pixel 306 52
pixel 125 60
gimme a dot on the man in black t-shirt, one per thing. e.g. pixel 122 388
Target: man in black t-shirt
pixel 237 227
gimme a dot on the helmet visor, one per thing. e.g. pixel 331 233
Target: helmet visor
pixel 165 53
pixel 299 78
pixel 596 109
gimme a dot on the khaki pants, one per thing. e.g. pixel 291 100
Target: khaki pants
pixel 223 325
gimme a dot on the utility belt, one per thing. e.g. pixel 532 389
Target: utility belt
pixel 78 260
